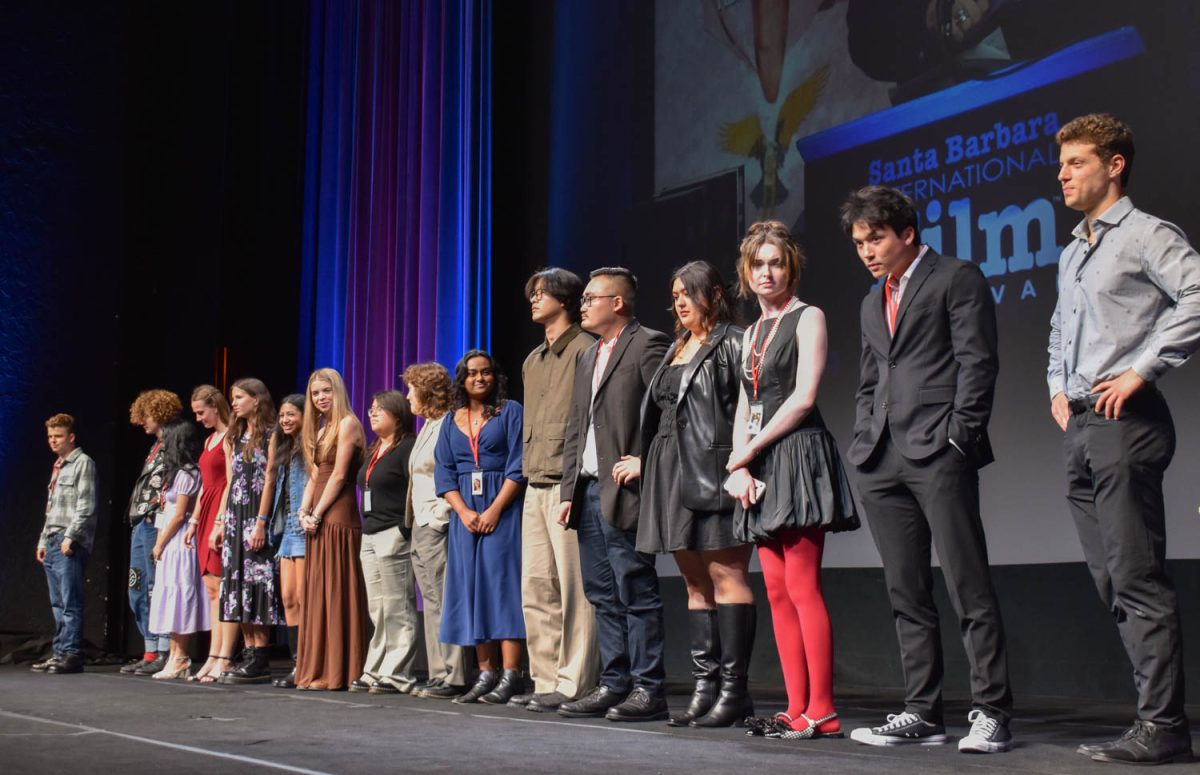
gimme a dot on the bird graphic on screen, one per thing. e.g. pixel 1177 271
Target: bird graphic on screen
pixel 746 138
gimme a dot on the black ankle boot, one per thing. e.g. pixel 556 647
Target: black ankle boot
pixel 735 624
pixel 255 670
pixel 505 689
pixel 706 665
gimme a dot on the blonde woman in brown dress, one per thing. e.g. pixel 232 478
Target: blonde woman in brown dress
pixel 333 624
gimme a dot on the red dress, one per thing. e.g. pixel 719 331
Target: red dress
pixel 212 477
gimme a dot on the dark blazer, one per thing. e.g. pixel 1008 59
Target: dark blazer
pixel 934 381
pixel 616 416
pixel 708 398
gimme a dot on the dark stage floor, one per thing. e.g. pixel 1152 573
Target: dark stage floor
pixel 103 721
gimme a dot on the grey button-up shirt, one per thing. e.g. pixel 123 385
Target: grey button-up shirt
pixel 1130 300
pixel 71 502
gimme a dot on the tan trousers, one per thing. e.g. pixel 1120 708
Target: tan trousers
pixel 560 624
pixel 392 604
pixel 446 661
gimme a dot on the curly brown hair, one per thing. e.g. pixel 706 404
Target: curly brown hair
pixel 432 382
pixel 1109 134
pixel 162 406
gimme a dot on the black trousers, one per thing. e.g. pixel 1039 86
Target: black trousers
pixel 911 504
pixel 1114 488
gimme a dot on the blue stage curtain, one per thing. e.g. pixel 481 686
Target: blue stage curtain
pixel 396 252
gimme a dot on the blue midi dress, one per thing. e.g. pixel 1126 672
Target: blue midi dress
pixel 482 598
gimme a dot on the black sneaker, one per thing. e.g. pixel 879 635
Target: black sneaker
pixel 1147 743
pixel 901 729
pixel 987 735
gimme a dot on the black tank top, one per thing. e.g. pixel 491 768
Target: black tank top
pixel 777 374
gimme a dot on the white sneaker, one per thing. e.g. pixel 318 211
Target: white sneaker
pixel 987 735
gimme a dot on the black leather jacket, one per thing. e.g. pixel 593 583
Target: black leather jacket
pixel 708 398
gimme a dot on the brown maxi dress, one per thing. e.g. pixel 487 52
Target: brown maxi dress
pixel 333 623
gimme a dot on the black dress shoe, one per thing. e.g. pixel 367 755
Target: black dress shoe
pixel 442 691
pixel 40 667
pixel 485 683
pixel 596 703
pixel 640 706
pixel 150 668
pixel 359 685
pixel 546 703
pixel 287 682
pixel 505 689
pixel 71 663
pixel 1148 743
pixel 521 700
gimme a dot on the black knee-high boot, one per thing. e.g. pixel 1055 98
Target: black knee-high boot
pixel 736 624
pixel 706 665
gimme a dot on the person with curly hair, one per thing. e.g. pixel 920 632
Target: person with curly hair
pixel 431 395
pixel 479 474
pixel 152 410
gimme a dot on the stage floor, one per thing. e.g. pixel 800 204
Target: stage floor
pixel 103 721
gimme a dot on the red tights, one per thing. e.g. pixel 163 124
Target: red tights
pixel 791 566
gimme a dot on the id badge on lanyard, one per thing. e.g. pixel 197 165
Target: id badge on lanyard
pixel 473 437
pixel 367 500
pixel 754 424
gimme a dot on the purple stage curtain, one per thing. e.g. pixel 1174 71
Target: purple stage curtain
pixel 397 242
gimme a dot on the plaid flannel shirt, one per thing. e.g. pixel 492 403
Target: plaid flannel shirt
pixel 71 502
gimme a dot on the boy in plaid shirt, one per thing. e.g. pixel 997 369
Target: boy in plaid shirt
pixel 66 541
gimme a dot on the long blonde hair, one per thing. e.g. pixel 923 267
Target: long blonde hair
pixel 340 409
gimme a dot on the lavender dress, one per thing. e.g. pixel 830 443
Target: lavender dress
pixel 179 604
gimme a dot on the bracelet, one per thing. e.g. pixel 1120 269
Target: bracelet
pixel 193 521
pixel 261 518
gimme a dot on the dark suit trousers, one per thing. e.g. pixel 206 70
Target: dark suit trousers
pixel 1114 474
pixel 622 585
pixel 910 503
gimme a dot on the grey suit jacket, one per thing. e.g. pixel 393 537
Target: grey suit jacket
pixel 935 379
pixel 616 415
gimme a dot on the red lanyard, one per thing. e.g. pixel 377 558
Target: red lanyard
pixel 375 458
pixel 473 435
pixel 154 450
pixel 758 356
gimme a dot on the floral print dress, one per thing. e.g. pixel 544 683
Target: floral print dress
pixel 249 594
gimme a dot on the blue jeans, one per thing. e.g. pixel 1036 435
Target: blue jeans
pixel 141 583
pixel 622 585
pixel 65 576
